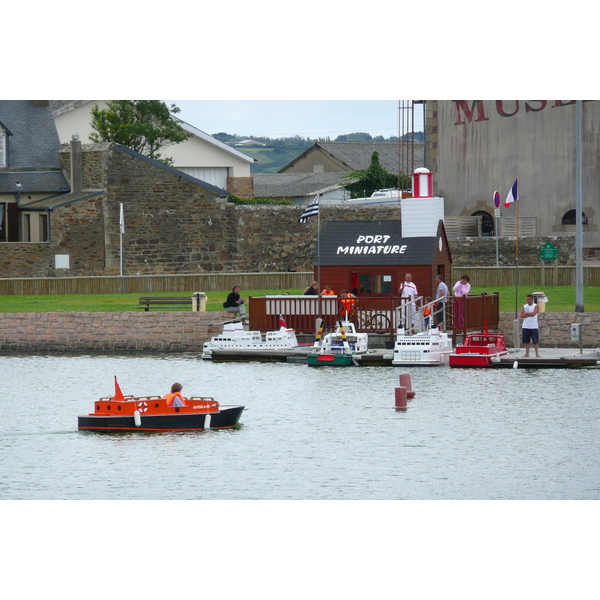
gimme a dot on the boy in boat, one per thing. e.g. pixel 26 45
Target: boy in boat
pixel 175 398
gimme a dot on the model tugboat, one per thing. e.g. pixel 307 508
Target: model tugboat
pixel 337 349
pixel 480 349
pixel 121 413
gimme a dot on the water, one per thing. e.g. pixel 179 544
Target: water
pixel 308 434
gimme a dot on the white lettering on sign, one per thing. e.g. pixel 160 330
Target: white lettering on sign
pixel 395 249
pixel 372 239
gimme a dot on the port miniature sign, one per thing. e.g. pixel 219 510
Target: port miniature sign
pixel 548 252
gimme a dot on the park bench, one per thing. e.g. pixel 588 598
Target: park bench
pixel 164 302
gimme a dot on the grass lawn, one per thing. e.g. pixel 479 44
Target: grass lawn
pixel 560 299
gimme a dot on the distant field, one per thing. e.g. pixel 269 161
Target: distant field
pixel 560 299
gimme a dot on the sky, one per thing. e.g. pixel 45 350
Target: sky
pixel 287 118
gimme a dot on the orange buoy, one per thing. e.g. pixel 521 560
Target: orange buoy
pixel 405 381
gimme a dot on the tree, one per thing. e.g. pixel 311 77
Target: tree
pixel 366 181
pixel 145 126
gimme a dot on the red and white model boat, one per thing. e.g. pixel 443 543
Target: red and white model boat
pixel 479 350
pixel 121 413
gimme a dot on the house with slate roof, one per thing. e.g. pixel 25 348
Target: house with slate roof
pixel 301 188
pixel 372 257
pixel 202 156
pixel 336 157
pixel 30 169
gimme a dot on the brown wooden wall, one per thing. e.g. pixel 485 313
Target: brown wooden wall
pixel 423 276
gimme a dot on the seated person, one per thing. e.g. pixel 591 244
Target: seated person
pixel 175 398
pixel 235 304
pixel 312 289
pixel 328 291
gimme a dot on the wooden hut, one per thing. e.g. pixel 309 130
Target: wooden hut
pixel 371 258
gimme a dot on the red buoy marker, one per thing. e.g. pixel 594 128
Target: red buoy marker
pixel 405 381
pixel 401 398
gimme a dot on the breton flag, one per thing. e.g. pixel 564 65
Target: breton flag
pixel 311 210
pixel 121 218
pixel 513 195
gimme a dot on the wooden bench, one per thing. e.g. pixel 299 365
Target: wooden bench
pixel 164 302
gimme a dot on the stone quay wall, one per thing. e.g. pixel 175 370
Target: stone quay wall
pixel 118 332
pixel 178 331
pixel 555 329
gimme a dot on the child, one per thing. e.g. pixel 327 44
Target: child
pixel 427 313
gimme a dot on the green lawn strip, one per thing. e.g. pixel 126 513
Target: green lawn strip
pixel 560 299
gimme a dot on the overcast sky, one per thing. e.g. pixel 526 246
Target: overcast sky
pixel 306 118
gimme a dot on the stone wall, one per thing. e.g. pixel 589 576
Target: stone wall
pixel 555 329
pixel 180 331
pixel 481 252
pixel 121 332
pixel 175 225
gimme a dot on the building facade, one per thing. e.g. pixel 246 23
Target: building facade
pixel 477 147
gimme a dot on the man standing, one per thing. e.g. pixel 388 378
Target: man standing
pixel 408 291
pixel 441 297
pixel 529 314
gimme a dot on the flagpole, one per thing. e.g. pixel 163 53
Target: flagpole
pixel 121 231
pixel 319 255
pixel 517 251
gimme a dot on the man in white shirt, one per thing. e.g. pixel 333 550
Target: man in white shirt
pixel 408 291
pixel 529 314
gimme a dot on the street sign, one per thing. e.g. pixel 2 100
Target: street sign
pixel 548 252
pixel 497 199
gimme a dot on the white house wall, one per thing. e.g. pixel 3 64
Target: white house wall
pixel 193 153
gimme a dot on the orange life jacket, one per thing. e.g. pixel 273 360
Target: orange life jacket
pixel 327 293
pixel 427 311
pixel 170 397
pixel 348 303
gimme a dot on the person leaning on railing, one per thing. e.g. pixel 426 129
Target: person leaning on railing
pixel 348 301
pixel 441 297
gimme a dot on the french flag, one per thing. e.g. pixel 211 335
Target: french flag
pixel 513 195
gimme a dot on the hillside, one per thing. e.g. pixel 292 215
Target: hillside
pixel 275 153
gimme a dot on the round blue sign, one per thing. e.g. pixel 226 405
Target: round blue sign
pixel 497 199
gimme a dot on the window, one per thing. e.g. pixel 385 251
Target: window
pixel 2 148
pixel 372 283
pixel 2 222
pixel 570 216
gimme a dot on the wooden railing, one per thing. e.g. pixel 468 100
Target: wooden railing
pixel 371 314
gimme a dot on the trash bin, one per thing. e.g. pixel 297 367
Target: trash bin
pixel 540 299
pixel 199 302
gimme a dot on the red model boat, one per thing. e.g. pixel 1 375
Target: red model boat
pixel 151 413
pixel 478 350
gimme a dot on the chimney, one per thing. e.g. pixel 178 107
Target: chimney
pixel 76 164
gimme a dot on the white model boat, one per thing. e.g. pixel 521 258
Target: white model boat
pixel 345 336
pixel 337 349
pixel 234 336
pixel 431 347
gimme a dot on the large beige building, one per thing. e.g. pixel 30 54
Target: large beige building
pixel 477 147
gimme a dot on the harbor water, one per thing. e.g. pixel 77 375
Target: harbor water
pixel 306 434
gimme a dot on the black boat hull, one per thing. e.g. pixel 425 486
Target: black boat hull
pixel 227 417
